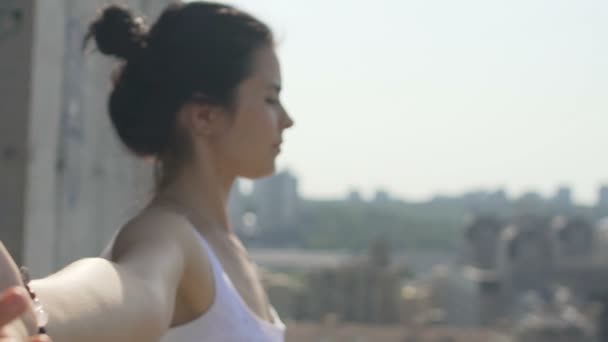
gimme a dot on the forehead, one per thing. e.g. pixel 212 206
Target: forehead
pixel 265 67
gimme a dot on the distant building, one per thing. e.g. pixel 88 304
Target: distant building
pixel 366 290
pixel 453 297
pixel 286 293
pixel 534 256
pixel 563 199
pixel 277 201
pixel 601 207
pixel 573 240
pixel 482 236
pixel 354 197
pixel 603 197
pixel 382 197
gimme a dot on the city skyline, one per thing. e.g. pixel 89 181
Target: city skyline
pixel 437 97
pixel 563 194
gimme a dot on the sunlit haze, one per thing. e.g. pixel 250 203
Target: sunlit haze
pixel 427 97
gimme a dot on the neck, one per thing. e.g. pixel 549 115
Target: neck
pixel 202 191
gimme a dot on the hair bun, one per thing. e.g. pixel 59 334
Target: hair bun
pixel 118 32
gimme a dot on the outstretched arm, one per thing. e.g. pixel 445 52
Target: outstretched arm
pixel 130 298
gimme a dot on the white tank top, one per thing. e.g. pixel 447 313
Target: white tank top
pixel 228 319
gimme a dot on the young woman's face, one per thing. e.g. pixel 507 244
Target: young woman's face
pixel 251 142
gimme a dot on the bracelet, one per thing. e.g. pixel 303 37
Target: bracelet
pixel 42 318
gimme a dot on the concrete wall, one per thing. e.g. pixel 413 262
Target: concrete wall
pixel 16 32
pixel 66 182
pixel 39 216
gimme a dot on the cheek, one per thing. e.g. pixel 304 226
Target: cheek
pixel 258 125
pixel 252 132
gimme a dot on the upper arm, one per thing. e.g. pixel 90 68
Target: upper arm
pixel 154 249
pixel 130 297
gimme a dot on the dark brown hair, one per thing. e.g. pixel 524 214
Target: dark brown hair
pixel 195 51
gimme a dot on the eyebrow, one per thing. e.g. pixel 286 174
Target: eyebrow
pixel 276 87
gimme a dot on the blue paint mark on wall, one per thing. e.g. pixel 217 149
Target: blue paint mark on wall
pixel 11 21
pixel 72 116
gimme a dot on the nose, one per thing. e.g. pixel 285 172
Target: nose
pixel 287 120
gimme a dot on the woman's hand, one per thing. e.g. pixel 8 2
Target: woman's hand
pixel 14 303
pixel 17 318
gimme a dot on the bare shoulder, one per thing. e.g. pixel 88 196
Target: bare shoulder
pixel 167 245
pixel 158 227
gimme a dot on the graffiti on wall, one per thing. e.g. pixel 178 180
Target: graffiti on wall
pixel 72 116
pixel 11 20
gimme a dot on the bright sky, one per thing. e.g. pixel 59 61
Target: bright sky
pixel 441 96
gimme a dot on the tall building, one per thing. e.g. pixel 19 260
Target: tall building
pixel 354 196
pixel 67 183
pixel 277 200
pixel 600 210
pixel 603 197
pixel 563 199
pixel 382 197
pixel 482 236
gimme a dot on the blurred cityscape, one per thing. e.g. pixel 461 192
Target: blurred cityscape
pixel 478 267
pixel 481 266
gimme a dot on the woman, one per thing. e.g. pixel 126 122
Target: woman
pixel 199 94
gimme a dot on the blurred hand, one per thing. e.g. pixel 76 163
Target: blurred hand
pixel 17 318
pixel 14 302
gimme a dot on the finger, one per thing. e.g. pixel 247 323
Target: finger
pixel 9 272
pixel 13 303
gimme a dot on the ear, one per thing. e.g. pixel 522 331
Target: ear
pixel 199 118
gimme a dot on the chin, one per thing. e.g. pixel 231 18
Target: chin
pixel 260 172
